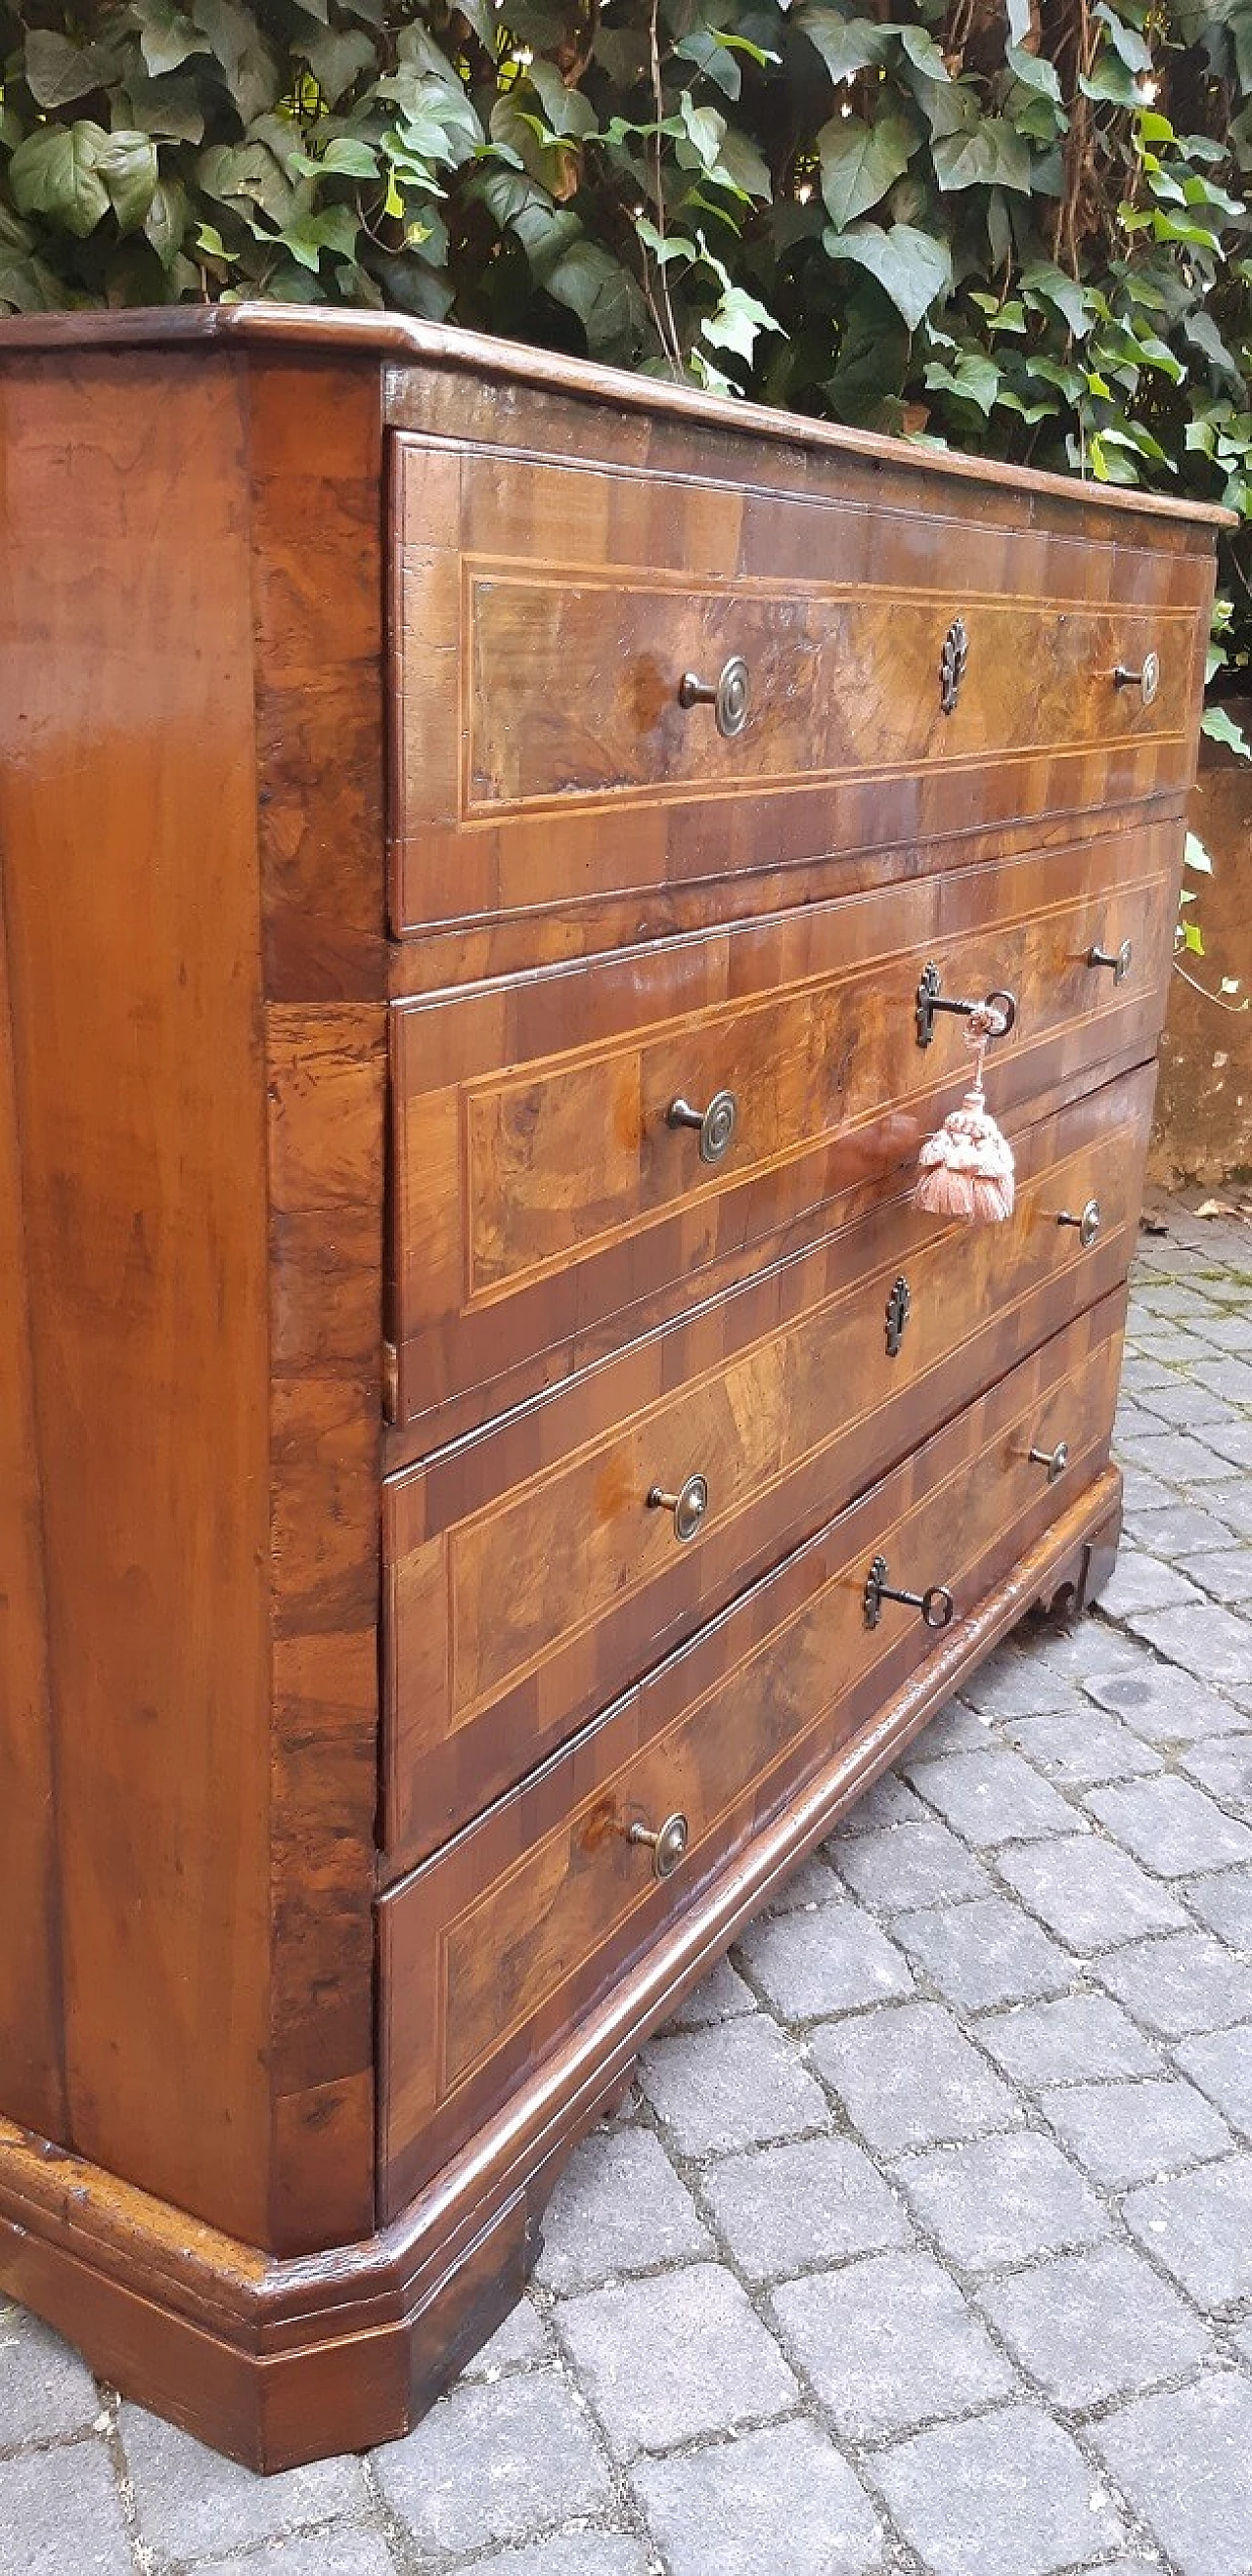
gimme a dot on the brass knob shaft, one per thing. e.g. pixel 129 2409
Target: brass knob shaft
pixel 935 1603
pixel 1147 679
pixel 1087 1222
pixel 728 695
pixel 1116 959
pixel 1055 1460
pixel 668 1845
pixel 715 1125
pixel 689 1505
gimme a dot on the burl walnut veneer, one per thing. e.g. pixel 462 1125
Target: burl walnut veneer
pixel 491 1462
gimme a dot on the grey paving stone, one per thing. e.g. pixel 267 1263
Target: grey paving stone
pixel 1234 1441
pixel 1177 1457
pixel 1002 2199
pixel 1221 2064
pixel 1126 2133
pixel 1212 1643
pixel 494 2462
pixel 333 2552
pixel 1171 1825
pixel 1185 2462
pixel 1093 2326
pixel 1225 1904
pixel 189 2501
pixel 1173 1529
pixel 45 2389
pixel 666 2360
pixel 1089 1893
pixel 1192 1407
pixel 907 1866
pixel 813 1883
pixel 1007 2495
pixel 722 2511
pixel 961 1727
pixel 1088 1651
pixel 889 1802
pixel 1199 2225
pixel 1229 1377
pixel 985 1953
pixel 1145 1496
pixel 1233 1504
pixel 994 1798
pixel 567 2553
pixel 1140 1375
pixel 888 2344
pixel 1225 1767
pixel 1077 1747
pixel 738 2085
pixel 1141 1582
pixel 1227 1330
pixel 819 2200
pixel 718 1997
pixel 1075 2040
pixel 1226 1575
pixel 519 2342
pixel 60 2514
pixel 1014 1683
pixel 1162 1704
pixel 618 2207
pixel 909 2078
pixel 829 1961
pixel 1183 1984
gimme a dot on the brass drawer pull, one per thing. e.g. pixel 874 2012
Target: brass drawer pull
pixel 1117 960
pixel 952 663
pixel 899 1307
pixel 1087 1222
pixel 936 1603
pixel 1147 679
pixel 1055 1460
pixel 715 1125
pixel 930 998
pixel 728 695
pixel 668 1844
pixel 689 1505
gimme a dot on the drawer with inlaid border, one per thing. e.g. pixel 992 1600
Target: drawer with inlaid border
pixel 534 1570
pixel 491 1952
pixel 576 1150
pixel 611 684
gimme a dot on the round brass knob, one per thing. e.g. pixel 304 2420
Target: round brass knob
pixel 668 1844
pixel 1087 1222
pixel 1055 1460
pixel 728 695
pixel 715 1125
pixel 1116 959
pixel 1147 679
pixel 688 1505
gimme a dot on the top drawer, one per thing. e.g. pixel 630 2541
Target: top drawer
pixel 546 616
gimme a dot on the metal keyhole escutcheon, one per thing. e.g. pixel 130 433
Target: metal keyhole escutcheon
pixel 952 662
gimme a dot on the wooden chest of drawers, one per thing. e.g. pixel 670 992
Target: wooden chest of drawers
pixel 480 841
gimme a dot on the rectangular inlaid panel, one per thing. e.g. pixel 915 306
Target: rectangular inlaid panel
pixel 546 616
pixel 543 1193
pixel 491 1951
pixel 526 1579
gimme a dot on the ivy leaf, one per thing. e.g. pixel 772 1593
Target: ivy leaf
pixel 58 72
pixel 1196 856
pixel 128 166
pixel 1135 52
pixel 923 53
pixel 337 61
pixel 746 169
pixel 1201 330
pixel 566 111
pixel 334 229
pixel 989 154
pixel 737 323
pixel 165 222
pixel 169 109
pixel 166 36
pixel 1035 72
pixel 860 162
pixel 974 378
pixel 1193 939
pixel 846 45
pixel 600 291
pixel 1062 291
pixel 913 267
pixel 704 48
pixel 1221 727
pixel 56 172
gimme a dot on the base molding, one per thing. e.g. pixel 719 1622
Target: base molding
pixel 280 2361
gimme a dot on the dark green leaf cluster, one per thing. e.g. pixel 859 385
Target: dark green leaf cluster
pixel 1014 226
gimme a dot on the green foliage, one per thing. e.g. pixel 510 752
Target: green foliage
pixel 1014 226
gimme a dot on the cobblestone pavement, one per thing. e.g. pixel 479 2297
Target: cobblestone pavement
pixel 925 2243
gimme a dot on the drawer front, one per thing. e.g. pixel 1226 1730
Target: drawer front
pixel 527 1578
pixel 544 1194
pixel 491 1951
pixel 545 617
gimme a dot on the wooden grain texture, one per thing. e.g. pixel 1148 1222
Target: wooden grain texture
pixel 128 822
pixel 493 1948
pixel 544 614
pixel 527 1582
pixel 541 1197
pixel 32 2071
pixel 314 479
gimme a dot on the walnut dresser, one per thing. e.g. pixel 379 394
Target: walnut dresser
pixel 491 1462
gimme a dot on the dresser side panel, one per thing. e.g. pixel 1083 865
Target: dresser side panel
pixel 128 815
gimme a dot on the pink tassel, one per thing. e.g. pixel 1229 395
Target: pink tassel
pixel 966 1170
